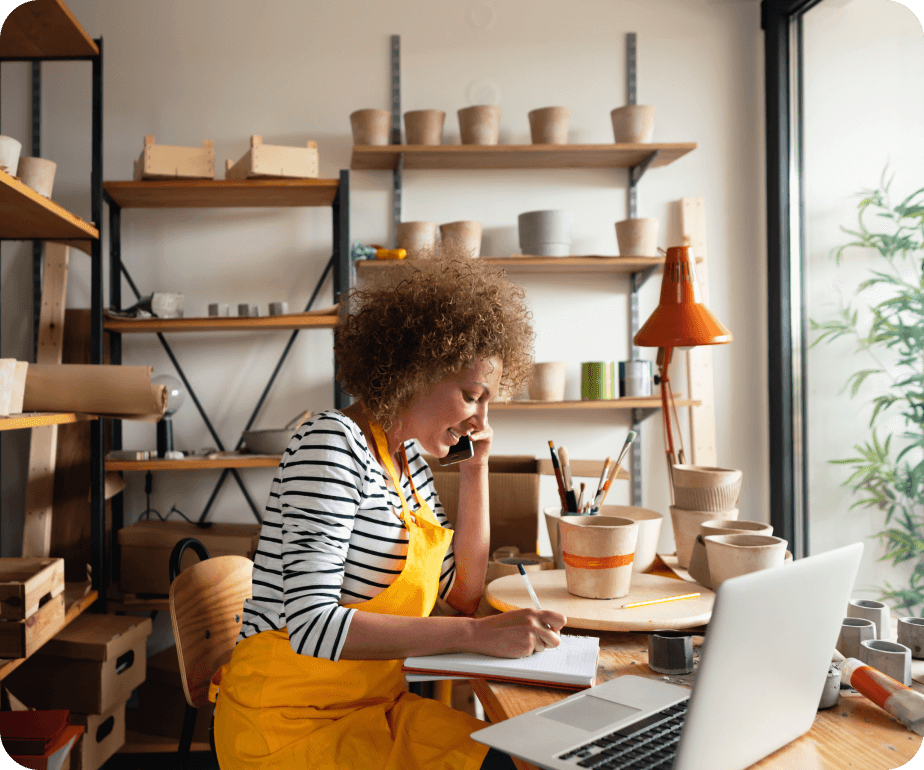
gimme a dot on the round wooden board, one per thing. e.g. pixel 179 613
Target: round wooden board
pixel 509 593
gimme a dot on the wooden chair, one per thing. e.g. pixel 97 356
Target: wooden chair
pixel 206 607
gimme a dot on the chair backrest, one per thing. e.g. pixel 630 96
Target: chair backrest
pixel 207 606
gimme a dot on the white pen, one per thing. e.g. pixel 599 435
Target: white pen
pixel 532 593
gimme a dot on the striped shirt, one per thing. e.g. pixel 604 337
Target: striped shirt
pixel 330 536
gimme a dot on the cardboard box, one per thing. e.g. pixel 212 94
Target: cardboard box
pixel 104 735
pixel 513 497
pixel 146 548
pixel 91 666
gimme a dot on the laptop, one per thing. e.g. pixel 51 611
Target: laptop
pixel 762 670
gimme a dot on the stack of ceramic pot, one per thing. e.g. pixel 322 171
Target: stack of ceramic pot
pixel 701 494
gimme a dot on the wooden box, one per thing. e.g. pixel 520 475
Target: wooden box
pixel 21 638
pixel 27 584
pixel 167 162
pixel 272 161
pixel 104 735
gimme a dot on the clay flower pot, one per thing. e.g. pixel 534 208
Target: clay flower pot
pixel 424 126
pixel 633 124
pixel 480 124
pixel 649 531
pixel 547 382
pixel 735 527
pixel 549 125
pixel 466 235
pixel 598 552
pixel 417 238
pixel 637 237
pixel 371 127
pixel 687 526
pixel 733 555
pixel 702 488
pixel 10 149
pixel 37 173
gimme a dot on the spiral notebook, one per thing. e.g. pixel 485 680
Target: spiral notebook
pixel 571 665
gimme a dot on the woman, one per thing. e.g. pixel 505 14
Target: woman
pixel 355 546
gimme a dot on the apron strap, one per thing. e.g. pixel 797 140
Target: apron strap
pixel 382 444
pixel 410 479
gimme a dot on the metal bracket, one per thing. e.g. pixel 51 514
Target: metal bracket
pixel 638 170
pixel 640 414
pixel 639 279
pixel 631 71
pixel 397 187
pixel 397 180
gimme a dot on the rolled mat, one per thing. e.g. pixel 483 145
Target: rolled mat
pixel 123 392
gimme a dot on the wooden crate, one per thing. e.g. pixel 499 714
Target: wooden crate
pixel 26 583
pixel 167 162
pixel 271 161
pixel 21 638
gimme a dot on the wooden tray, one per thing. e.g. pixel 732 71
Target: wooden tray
pixel 509 593
pixel 26 584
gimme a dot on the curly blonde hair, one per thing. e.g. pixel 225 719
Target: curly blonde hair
pixel 435 317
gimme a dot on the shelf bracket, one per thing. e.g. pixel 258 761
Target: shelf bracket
pixel 639 414
pixel 638 170
pixel 641 277
pixel 397 178
pixel 397 186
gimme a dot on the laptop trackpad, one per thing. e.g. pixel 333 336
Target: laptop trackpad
pixel 589 713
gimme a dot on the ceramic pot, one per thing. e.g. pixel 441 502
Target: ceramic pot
pixel 699 563
pixel 549 125
pixel 637 237
pixel 733 555
pixel 633 124
pixel 687 526
pixel 37 173
pixel 891 659
pixel 853 632
pixel 424 126
pixel 371 127
pixel 417 238
pixel 598 552
pixel 670 652
pixel 649 532
pixel 466 235
pixel 10 149
pixel 911 634
pixel 735 527
pixel 701 488
pixel 480 124
pixel 872 610
pixel 552 518
pixel 547 382
pixel 545 233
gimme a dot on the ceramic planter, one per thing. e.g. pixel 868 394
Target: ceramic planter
pixel 872 610
pixel 637 237
pixel 853 632
pixel 424 126
pixel 371 127
pixel 480 124
pixel 649 532
pixel 733 555
pixel 911 634
pixel 735 527
pixel 417 238
pixel 598 553
pixel 37 173
pixel 687 526
pixel 547 382
pixel 891 659
pixel 466 235
pixel 545 233
pixel 10 149
pixel 699 563
pixel 633 124
pixel 549 125
pixel 702 488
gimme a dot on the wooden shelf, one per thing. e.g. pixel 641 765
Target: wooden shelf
pixel 77 598
pixel 119 602
pixel 471 156
pixel 221 193
pixel 519 263
pixel 219 324
pixel 195 463
pixel 44 29
pixel 26 215
pixel 592 406
pixel 38 419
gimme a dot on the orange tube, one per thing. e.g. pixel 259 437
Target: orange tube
pixel 892 696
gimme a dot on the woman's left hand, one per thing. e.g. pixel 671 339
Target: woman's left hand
pixel 481 443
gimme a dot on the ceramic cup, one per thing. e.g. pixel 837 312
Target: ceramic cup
pixel 853 632
pixel 637 237
pixel 670 652
pixel 703 488
pixel 545 233
pixel 549 125
pixel 598 552
pixel 547 382
pixel 699 563
pixel 424 126
pixel 686 526
pixel 735 527
pixel 733 555
pixel 872 610
pixel 649 531
pixel 480 124
pixel 467 235
pixel 633 123
pixel 10 149
pixel 552 518
pixel 371 127
pixel 891 659
pixel 418 238
pixel 37 173
pixel 911 634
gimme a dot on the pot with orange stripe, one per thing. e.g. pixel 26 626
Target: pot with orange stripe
pixel 598 552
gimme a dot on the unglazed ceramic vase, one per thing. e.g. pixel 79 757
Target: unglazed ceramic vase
pixel 466 235
pixel 547 382
pixel 703 488
pixel 633 124
pixel 480 124
pixel 549 125
pixel 733 555
pixel 371 127
pixel 687 526
pixel 417 238
pixel 424 126
pixel 598 552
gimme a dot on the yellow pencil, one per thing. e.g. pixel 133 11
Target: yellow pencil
pixel 659 601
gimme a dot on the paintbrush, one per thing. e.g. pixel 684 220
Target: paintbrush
pixel 580 499
pixel 603 475
pixel 566 478
pixel 614 471
pixel 561 484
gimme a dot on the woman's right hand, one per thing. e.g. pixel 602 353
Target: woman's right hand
pixel 517 633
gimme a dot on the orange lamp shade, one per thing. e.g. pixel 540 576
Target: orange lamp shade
pixel 681 320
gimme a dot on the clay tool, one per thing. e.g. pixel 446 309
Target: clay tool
pixel 658 601
pixel 901 702
pixel 566 478
pixel 614 471
pixel 561 484
pixel 529 588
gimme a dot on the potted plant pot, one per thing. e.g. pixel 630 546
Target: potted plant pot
pixel 549 125
pixel 480 124
pixel 633 124
pixel 424 126
pixel 545 233
pixel 686 526
pixel 371 127
pixel 637 237
pixel 466 235
pixel 547 382
pixel 37 173
pixel 417 238
pixel 10 149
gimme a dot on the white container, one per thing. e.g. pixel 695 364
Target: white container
pixel 10 149
pixel 545 233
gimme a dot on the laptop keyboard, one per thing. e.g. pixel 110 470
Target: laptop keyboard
pixel 649 744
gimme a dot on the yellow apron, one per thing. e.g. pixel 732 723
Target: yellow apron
pixel 279 709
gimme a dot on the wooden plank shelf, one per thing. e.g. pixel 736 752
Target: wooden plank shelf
pixel 221 193
pixel 77 598
pixel 519 263
pixel 511 156
pixel 652 402
pixel 195 463
pixel 26 215
pixel 119 602
pixel 44 29
pixel 219 323
pixel 39 419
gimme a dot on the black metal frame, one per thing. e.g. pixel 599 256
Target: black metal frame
pixel 781 21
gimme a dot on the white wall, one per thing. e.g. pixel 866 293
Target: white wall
pixel 864 109
pixel 293 70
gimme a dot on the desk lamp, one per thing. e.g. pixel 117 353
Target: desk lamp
pixel 176 395
pixel 679 321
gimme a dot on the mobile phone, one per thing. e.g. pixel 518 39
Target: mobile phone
pixel 460 452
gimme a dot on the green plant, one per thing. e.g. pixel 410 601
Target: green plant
pixel 890 331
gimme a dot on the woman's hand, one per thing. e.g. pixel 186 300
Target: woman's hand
pixel 481 443
pixel 518 633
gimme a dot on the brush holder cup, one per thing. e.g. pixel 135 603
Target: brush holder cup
pixel 911 634
pixel 855 631
pixel 733 555
pixel 598 552
pixel 424 126
pixel 371 127
pixel 872 610
pixel 891 659
pixel 702 488
pixel 687 525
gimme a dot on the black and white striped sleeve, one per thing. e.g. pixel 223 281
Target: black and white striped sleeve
pixel 319 493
